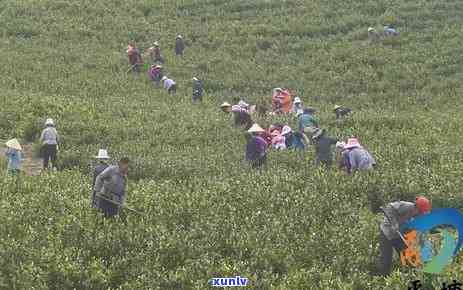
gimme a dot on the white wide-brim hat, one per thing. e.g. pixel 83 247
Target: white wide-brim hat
pixel 50 122
pixel 102 154
pixel 297 100
pixel 256 129
pixel 340 145
pixel 14 144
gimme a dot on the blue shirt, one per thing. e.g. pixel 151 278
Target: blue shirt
pixel 307 120
pixel 14 159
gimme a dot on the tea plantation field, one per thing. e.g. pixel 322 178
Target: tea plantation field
pixel 291 226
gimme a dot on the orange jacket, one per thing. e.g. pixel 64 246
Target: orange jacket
pixel 285 99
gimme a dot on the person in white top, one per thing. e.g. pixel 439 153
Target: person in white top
pixel 50 140
pixel 169 85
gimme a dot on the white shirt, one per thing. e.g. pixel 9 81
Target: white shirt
pixel 168 83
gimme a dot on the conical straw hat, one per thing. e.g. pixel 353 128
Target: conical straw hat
pixel 13 143
pixel 256 129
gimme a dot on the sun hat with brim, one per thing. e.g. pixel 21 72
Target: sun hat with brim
pixel 352 143
pixel 317 133
pixel 156 43
pixel 225 105
pixel 236 109
pixel 195 79
pixel 179 36
pixel 164 78
pixel 102 154
pixel 340 145
pixel 243 104
pixel 256 129
pixel 336 107
pixel 14 144
pixel 371 29
pixel 49 122
pixel 297 100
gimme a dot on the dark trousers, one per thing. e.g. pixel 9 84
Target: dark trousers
pixel 197 97
pixel 259 162
pixel 136 68
pixel 49 154
pixel 108 208
pixel 172 89
pixel 386 252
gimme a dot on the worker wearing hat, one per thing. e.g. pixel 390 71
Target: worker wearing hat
pixel 341 111
pixel 50 140
pixel 297 106
pixel 256 147
pixel 396 214
pixel 13 153
pixel 103 159
pixel 155 74
pixel 197 90
pixel 241 117
pixel 135 59
pixel 169 85
pixel 323 148
pixel 155 53
pixel 356 158
pixel 179 45
pixel 226 107
pixel 308 123
pixel 110 188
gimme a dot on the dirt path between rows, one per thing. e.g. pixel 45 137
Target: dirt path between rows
pixel 30 165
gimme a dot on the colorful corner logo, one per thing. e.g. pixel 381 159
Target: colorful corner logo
pixel 420 251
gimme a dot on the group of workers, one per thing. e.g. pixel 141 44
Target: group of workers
pixel 110 181
pixel 49 140
pixel 352 156
pixel 156 70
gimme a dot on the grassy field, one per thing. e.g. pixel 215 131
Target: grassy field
pixel 291 226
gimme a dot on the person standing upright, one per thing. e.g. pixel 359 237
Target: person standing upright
pixel 155 53
pixel 197 90
pixel 103 158
pixel 134 56
pixel 179 45
pixel 50 141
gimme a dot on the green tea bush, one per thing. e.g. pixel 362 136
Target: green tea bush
pixel 206 214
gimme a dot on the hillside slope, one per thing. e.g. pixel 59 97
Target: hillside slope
pixel 291 226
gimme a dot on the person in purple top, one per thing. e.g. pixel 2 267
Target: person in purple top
pixel 256 147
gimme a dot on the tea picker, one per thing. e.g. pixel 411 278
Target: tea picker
pixel 112 182
pixel 396 214
pixel 50 140
pixel 103 159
